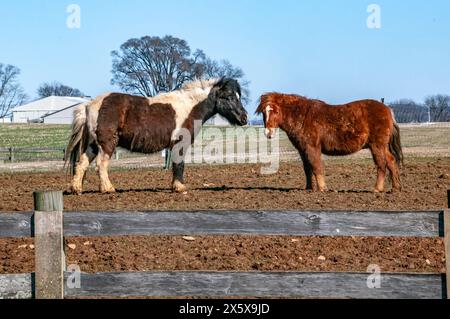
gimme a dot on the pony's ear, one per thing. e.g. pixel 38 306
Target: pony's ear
pixel 263 100
pixel 229 83
pixel 222 83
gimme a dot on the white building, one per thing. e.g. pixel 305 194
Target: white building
pixel 5 120
pixel 58 109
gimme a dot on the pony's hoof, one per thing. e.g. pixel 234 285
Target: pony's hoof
pixel 396 190
pixel 178 187
pixel 377 191
pixel 108 191
pixel 75 191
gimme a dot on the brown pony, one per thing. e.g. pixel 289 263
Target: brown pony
pixel 316 128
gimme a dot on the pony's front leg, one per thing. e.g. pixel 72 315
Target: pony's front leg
pixel 178 178
pixel 314 156
pixel 179 151
pixel 308 172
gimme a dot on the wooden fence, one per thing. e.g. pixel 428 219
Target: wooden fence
pixel 48 225
pixel 22 154
pixel 17 154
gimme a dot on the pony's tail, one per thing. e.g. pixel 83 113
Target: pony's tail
pixel 395 145
pixel 79 139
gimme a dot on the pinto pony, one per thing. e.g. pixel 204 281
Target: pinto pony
pixel 147 125
pixel 316 128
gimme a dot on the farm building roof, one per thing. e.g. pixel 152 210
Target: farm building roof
pixel 50 104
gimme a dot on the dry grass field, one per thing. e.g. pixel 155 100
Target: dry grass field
pixel 419 141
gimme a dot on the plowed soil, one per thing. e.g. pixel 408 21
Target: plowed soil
pixel 425 184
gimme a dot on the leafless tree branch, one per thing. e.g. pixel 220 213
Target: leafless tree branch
pixel 150 65
pixel 11 92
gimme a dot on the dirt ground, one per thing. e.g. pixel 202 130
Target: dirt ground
pixel 425 184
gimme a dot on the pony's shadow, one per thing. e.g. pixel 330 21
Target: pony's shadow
pixel 284 190
pixel 227 189
pixel 353 191
pixel 249 188
pixel 125 191
pixel 203 189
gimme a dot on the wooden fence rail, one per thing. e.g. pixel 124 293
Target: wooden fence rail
pixel 262 223
pixel 14 154
pixel 48 227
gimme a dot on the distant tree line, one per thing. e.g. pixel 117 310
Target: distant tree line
pixel 57 89
pixel 436 108
pixel 151 65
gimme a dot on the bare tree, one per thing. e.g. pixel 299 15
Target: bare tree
pixel 212 69
pixel 11 92
pixel 57 89
pixel 150 65
pixel 439 106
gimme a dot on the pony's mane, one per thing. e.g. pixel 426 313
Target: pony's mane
pixel 276 98
pixel 199 84
pixel 196 91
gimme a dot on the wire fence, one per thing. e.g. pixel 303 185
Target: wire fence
pixel 229 145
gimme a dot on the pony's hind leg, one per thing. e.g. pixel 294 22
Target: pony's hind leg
pixel 394 171
pixel 102 166
pixel 379 157
pixel 80 171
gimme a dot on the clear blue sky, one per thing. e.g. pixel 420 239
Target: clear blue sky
pixel 322 49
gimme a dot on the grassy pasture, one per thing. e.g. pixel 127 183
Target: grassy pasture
pixel 418 140
pixel 34 136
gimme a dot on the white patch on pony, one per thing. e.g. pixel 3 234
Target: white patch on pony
pixel 238 96
pixel 184 100
pixel 92 110
pixel 268 110
pixel 269 132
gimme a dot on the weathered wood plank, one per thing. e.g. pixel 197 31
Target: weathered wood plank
pixel 407 224
pixel 420 224
pixel 50 201
pixel 16 225
pixel 228 284
pixel 49 253
pixel 16 286
pixel 447 243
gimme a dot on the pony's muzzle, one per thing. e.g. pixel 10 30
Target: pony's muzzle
pixel 270 133
pixel 244 119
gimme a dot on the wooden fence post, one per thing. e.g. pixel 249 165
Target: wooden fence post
pixel 11 154
pixel 447 242
pixel 49 245
pixel 168 159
